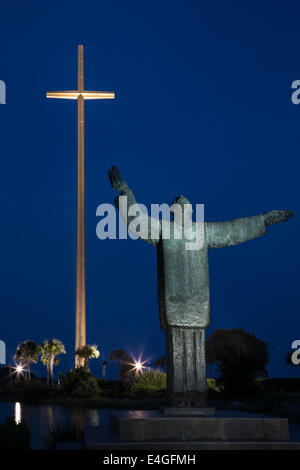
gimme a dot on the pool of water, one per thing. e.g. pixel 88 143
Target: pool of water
pixel 40 417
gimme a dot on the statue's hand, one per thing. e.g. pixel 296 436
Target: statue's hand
pixel 116 179
pixel 277 216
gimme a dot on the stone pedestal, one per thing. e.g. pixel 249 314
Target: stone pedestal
pixel 188 411
pixel 226 430
pixel 231 426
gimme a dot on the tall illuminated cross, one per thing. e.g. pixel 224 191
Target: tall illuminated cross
pixel 80 95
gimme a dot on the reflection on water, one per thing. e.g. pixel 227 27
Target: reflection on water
pixel 40 417
pixel 18 415
pixel 49 413
pixel 81 415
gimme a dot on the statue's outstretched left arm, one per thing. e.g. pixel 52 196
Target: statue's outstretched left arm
pixel 277 216
pixel 236 231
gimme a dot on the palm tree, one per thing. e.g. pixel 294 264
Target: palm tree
pixel 117 355
pixel 161 362
pixel 89 351
pixel 27 352
pixel 50 349
pixel 127 370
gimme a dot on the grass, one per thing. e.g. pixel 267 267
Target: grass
pixel 62 431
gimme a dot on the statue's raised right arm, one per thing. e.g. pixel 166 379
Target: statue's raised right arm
pixel 137 221
pixel 116 180
pixel 236 231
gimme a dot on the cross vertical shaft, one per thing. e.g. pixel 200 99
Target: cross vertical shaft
pixel 80 95
pixel 80 338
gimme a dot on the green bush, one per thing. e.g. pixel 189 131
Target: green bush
pixel 240 357
pixel 285 384
pixel 113 388
pixel 152 378
pixel 149 382
pixel 33 391
pixel 14 436
pixel 212 385
pixel 79 383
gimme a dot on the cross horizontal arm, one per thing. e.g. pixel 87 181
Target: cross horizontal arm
pixel 87 95
pixel 98 95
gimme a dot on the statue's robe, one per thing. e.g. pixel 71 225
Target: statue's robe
pixel 183 292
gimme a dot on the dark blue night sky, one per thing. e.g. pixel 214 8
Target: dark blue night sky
pixel 202 109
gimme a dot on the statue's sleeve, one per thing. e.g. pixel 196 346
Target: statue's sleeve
pixel 234 232
pixel 148 228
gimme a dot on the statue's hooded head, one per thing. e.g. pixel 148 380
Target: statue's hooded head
pixel 181 202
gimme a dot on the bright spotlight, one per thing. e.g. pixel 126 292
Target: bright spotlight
pixel 138 366
pixel 19 369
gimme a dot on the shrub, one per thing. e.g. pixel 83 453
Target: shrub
pixel 79 383
pixel 149 382
pixel 152 378
pixel 34 391
pixel 240 357
pixel 14 436
pixel 114 388
pixel 285 384
pixel 62 432
pixel 212 385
